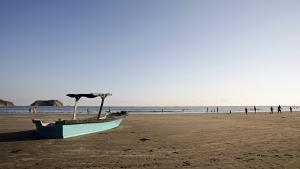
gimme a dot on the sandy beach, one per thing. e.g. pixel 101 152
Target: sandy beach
pixel 257 140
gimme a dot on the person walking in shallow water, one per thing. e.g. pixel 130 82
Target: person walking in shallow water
pixel 279 109
pixel 271 110
pixel 246 110
pixel 291 109
pixel 254 109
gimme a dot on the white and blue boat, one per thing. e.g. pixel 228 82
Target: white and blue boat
pixel 74 127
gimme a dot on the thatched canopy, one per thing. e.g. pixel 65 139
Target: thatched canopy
pixel 90 95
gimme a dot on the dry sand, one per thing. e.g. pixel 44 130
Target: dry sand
pixel 160 141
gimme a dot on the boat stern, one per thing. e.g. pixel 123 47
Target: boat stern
pixel 49 130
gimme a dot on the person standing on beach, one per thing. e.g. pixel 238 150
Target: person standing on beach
pixel 291 109
pixel 207 110
pixel 271 110
pixel 246 110
pixel 34 110
pixel 217 109
pixel 279 109
pixel 254 109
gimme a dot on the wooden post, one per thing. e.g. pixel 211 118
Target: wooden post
pixel 75 107
pixel 101 106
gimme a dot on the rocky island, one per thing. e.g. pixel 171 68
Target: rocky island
pixel 47 103
pixel 6 103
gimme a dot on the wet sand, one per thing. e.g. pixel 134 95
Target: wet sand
pixel 159 141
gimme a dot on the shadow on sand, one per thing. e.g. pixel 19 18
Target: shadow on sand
pixel 19 136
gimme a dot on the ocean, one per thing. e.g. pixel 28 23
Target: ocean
pixel 144 109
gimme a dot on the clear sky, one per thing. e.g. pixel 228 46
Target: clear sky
pixel 151 52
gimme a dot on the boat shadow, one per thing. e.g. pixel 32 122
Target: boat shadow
pixel 19 136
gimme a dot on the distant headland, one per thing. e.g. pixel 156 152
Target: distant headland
pixel 47 103
pixel 6 103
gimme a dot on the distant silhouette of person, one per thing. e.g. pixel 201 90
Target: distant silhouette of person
pixel 207 110
pixel 88 111
pixel 279 109
pixel 217 109
pixel 29 110
pixel 291 109
pixel 230 112
pixel 271 110
pixel 246 110
pixel 34 110
pixel 254 109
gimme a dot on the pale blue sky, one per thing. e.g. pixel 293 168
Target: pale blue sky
pixel 158 52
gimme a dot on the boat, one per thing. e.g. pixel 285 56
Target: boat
pixel 76 127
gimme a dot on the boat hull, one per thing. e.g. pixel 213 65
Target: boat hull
pixel 61 130
pixel 81 129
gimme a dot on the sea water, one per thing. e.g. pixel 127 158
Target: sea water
pixel 144 109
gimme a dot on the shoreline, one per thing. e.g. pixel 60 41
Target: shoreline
pixel 144 113
pixel 144 109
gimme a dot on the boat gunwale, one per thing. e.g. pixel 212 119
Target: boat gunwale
pixel 92 120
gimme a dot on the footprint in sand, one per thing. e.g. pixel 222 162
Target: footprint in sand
pixel 214 160
pixel 15 151
pixel 186 163
pixel 289 155
pixel 144 139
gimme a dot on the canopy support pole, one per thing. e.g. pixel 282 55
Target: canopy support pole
pixel 75 107
pixel 101 106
